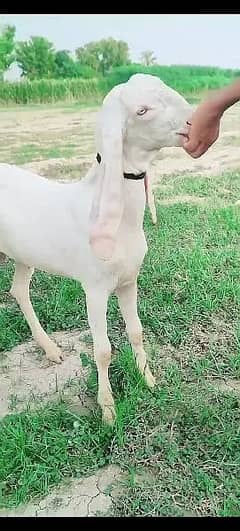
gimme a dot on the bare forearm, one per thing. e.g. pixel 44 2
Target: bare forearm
pixel 205 122
pixel 226 97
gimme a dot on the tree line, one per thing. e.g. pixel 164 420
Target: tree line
pixel 38 59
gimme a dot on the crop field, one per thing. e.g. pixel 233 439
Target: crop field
pixel 190 80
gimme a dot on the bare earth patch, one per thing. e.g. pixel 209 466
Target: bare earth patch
pixel 62 127
pixel 27 377
pixel 228 386
pixel 217 335
pixel 92 496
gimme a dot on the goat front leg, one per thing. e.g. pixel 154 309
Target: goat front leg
pixel 127 297
pixel 97 312
pixel 20 290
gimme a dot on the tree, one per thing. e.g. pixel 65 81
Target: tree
pixel 7 44
pixel 65 66
pixel 104 54
pixel 148 58
pixel 36 58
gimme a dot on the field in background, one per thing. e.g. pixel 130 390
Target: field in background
pixel 178 446
pixel 189 80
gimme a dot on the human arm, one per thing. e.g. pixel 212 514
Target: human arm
pixel 205 121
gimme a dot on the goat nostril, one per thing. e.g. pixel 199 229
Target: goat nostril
pixel 188 123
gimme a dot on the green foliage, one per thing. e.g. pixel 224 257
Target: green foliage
pixel 7 36
pixel 36 58
pixel 48 90
pixel 67 67
pixel 103 55
pixel 188 80
pixel 64 64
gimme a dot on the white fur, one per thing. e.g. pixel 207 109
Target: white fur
pixel 92 230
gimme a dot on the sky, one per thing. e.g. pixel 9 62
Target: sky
pixel 211 39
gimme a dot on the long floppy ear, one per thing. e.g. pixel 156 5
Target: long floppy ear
pixel 150 198
pixel 107 207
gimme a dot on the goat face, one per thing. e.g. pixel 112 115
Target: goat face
pixel 156 114
pixel 136 120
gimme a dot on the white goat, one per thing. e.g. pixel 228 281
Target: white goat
pixel 92 230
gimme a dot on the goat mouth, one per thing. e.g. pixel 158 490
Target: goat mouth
pixel 184 131
pixel 184 135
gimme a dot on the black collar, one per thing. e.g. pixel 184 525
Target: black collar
pixel 126 175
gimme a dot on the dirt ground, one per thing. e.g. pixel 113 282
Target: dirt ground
pixel 58 142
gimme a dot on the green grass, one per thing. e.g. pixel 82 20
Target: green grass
pixel 180 442
pixel 34 152
pixel 190 80
pixel 184 435
pixel 66 107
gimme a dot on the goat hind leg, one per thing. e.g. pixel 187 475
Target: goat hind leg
pixel 20 290
pixel 127 298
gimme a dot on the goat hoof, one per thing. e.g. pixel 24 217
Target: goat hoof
pixel 149 378
pixel 56 356
pixel 108 415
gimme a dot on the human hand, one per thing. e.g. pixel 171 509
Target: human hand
pixel 203 129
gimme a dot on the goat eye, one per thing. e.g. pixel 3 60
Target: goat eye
pixel 142 111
